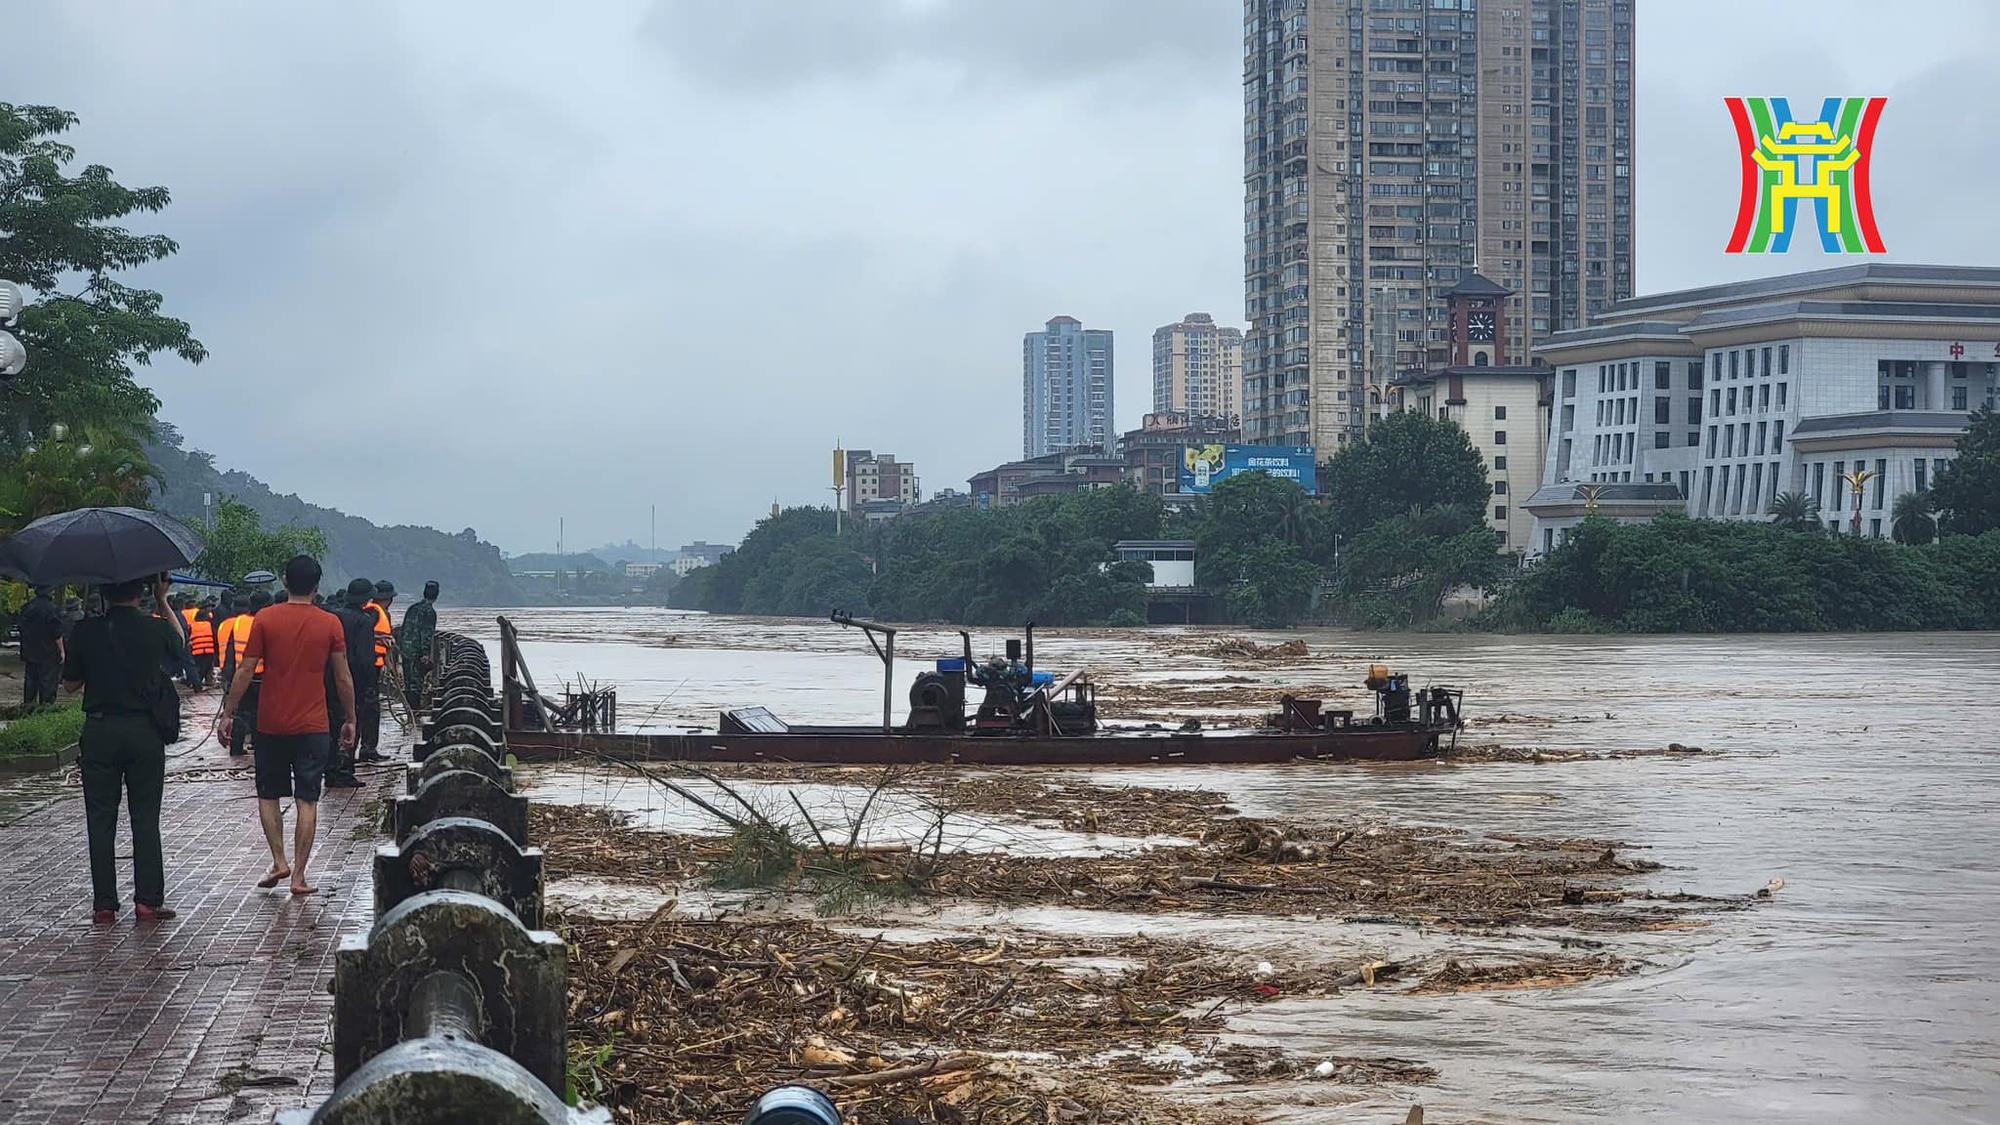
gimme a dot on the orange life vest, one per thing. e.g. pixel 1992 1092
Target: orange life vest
pixel 236 633
pixel 201 634
pixel 382 629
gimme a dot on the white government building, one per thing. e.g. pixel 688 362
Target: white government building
pixel 1713 401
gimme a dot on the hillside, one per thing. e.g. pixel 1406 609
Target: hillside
pixel 472 572
pixel 572 562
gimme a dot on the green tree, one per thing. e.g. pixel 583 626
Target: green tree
pixel 1250 506
pixel 1680 575
pixel 695 590
pixel 1795 511
pixel 1254 547
pixel 85 330
pixel 1398 573
pixel 238 544
pixel 1267 582
pixel 808 577
pixel 1911 520
pixel 103 468
pixel 1407 460
pixel 660 587
pixel 1967 491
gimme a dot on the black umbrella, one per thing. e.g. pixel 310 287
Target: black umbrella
pixel 97 545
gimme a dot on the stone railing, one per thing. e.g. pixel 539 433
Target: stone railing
pixel 451 1008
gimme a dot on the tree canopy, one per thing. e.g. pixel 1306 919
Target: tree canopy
pixel 1259 543
pixel 1407 460
pixel 1049 560
pixel 239 544
pixel 1967 490
pixel 85 330
pixel 1397 574
pixel 1681 575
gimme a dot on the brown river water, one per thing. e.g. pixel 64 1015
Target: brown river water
pixel 1862 770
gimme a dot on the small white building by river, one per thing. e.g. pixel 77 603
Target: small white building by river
pixel 1735 393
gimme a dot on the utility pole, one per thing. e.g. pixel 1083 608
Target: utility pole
pixel 559 555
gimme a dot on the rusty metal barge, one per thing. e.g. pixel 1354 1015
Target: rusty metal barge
pixel 1023 718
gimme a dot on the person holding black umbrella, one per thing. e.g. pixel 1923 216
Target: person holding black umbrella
pixel 118 661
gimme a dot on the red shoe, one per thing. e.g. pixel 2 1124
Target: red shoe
pixel 103 917
pixel 145 913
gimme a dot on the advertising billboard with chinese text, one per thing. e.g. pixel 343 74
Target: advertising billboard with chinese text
pixel 1204 465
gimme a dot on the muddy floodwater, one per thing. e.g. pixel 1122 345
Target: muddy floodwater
pixel 1863 771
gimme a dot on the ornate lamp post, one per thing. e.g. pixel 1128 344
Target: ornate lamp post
pixel 1858 480
pixel 13 356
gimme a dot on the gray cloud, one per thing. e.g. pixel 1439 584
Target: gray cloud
pixel 500 263
pixel 774 45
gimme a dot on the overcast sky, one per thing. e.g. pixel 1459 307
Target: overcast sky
pixel 490 264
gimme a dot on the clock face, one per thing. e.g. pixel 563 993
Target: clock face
pixel 1479 327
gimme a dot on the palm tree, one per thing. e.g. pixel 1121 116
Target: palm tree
pixel 1912 522
pixel 1795 510
pixel 99 468
pixel 1295 517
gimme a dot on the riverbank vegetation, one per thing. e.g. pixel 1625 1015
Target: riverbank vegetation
pixel 1680 575
pixel 1399 529
pixel 1940 569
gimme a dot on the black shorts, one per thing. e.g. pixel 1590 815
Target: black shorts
pixel 291 765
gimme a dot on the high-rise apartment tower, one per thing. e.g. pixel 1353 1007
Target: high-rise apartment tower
pixel 1066 378
pixel 1392 146
pixel 1197 367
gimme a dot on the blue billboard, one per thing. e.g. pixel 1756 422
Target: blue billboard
pixel 1203 465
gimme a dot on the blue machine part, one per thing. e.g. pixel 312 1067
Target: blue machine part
pixel 1043 678
pixel 955 664
pixel 793 1105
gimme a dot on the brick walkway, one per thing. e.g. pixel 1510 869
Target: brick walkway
pixel 219 1015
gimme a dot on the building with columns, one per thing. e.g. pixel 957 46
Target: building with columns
pixel 1807 382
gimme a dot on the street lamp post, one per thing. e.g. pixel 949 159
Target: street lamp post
pixel 1858 480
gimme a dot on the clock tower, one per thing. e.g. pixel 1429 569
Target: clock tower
pixel 1478 323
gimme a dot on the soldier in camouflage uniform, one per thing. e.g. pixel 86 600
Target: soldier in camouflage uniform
pixel 418 633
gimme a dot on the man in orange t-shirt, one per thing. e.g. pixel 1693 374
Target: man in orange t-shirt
pixel 298 644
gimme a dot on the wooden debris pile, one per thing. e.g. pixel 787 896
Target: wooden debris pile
pixel 1512 975
pixel 688 1020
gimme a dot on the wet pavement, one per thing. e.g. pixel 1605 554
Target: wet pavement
pixel 221 1014
pixel 1862 770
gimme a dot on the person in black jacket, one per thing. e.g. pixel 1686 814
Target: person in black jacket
pixel 357 626
pixel 118 661
pixel 41 649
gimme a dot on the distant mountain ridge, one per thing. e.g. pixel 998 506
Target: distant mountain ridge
pixel 572 561
pixel 471 571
